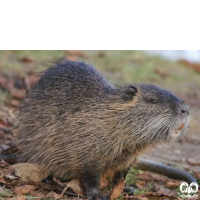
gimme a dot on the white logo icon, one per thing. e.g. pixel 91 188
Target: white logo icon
pixel 189 191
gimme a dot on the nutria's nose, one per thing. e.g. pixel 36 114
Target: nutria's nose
pixel 184 109
pixel 184 112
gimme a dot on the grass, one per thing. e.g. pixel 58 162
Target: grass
pixel 131 176
pixel 179 167
pixel 6 193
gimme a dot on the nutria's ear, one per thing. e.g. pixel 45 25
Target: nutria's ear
pixel 130 92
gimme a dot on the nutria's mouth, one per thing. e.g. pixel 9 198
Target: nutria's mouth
pixel 178 130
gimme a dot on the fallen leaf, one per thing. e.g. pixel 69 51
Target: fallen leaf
pixel 8 181
pixel 6 83
pixel 162 73
pixel 10 177
pixel 4 123
pixel 102 54
pixel 53 195
pixel 18 94
pixel 19 197
pixel 153 196
pixel 25 189
pixel 3 81
pixel 28 171
pixel 197 175
pixel 192 161
pixel 13 103
pixel 152 176
pixel 3 164
pixel 141 184
pixel 75 186
pixel 162 189
pixel 195 66
pixel 37 194
pixel 27 60
pixel 117 190
pixel 49 186
pixel 103 183
pixel 173 183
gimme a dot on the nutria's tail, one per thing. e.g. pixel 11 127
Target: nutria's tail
pixel 159 168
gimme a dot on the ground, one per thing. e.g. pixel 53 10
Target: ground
pixel 17 69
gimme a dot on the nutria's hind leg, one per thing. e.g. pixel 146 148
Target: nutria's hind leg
pixel 92 187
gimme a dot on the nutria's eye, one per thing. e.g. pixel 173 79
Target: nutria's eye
pixel 153 101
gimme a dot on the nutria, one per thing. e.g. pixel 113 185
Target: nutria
pixel 77 125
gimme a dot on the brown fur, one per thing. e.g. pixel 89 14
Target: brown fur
pixel 73 122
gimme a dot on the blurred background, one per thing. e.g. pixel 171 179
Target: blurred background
pixel 177 71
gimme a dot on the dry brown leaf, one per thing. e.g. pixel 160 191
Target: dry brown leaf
pixel 25 189
pixel 146 176
pixel 173 183
pixel 75 186
pixel 103 183
pixel 4 124
pixel 141 184
pixel 3 81
pixel 162 73
pixel 13 103
pixel 48 186
pixel 3 164
pixel 34 193
pixel 102 54
pixel 19 197
pixel 10 177
pixel 153 196
pixel 162 189
pixel 53 195
pixel 192 161
pixel 6 83
pixel 8 181
pixel 117 190
pixel 28 171
pixel 195 66
pixel 8 171
pixel 18 94
pixel 151 176
pixel 197 175
pixel 27 60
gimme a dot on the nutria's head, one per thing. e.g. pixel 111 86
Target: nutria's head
pixel 158 115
